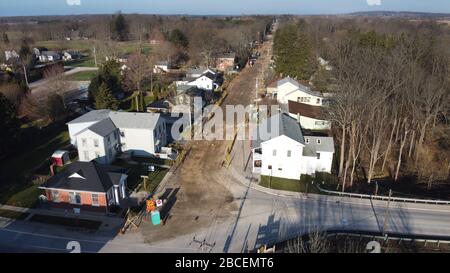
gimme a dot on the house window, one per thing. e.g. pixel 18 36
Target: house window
pixel 303 99
pixel 289 153
pixel 86 155
pixel 115 136
pixel 83 142
pixel 274 152
pixel 320 123
pixel 318 101
pixel 280 169
pixel 95 199
pixel 318 141
pixel 269 167
pixel 55 196
pixel 307 140
pixel 318 155
pixel 122 133
pixel 96 142
pixel 74 198
pixel 257 163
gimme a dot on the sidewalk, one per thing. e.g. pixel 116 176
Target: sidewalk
pixel 108 223
pixel 240 159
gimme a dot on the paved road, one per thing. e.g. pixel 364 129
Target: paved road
pixel 215 206
pixel 261 218
pixel 72 71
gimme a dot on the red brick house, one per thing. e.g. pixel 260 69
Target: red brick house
pixel 88 186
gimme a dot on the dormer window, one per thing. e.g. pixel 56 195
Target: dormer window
pixel 78 174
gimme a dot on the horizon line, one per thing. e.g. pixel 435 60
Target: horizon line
pixel 233 15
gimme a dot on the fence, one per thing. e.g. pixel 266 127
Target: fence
pixel 385 198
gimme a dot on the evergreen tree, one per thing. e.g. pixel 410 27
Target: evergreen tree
pixel 104 99
pixel 5 38
pixel 9 124
pixel 178 38
pixel 119 27
pixel 293 52
pixel 108 74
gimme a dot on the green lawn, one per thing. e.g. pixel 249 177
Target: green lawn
pixel 15 188
pixel 80 45
pixel 12 214
pixel 83 62
pixel 154 178
pixel 87 45
pixel 152 160
pixel 303 185
pixel 82 76
pixel 135 181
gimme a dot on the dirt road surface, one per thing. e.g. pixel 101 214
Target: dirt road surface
pixel 203 199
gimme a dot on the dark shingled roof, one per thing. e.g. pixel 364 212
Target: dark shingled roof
pixel 96 177
pixel 209 75
pixel 306 110
pixel 288 126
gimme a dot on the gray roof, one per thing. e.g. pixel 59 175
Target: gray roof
pixel 312 146
pixel 288 126
pixel 196 71
pixel 184 87
pixel 117 119
pixel 134 120
pixel 49 53
pixel 92 116
pixel 103 128
pixel 97 177
pixel 288 80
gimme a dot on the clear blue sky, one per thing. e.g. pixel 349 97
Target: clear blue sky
pixel 202 7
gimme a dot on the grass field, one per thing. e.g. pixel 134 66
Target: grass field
pixel 304 185
pixel 82 76
pixel 15 189
pixel 87 45
pixel 12 214
pixel 84 62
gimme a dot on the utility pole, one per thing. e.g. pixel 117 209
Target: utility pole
pixel 386 215
pixel 95 56
pixel 25 73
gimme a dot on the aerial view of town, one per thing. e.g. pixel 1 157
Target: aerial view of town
pixel 201 126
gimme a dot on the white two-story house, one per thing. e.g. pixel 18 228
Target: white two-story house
pixel 101 134
pixel 302 104
pixel 286 153
pixel 289 89
pixel 205 81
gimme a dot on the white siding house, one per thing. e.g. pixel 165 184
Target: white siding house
pixel 101 134
pixel 289 154
pixel 99 142
pixel 204 82
pixel 289 89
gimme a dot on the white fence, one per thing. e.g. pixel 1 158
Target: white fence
pixel 385 198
